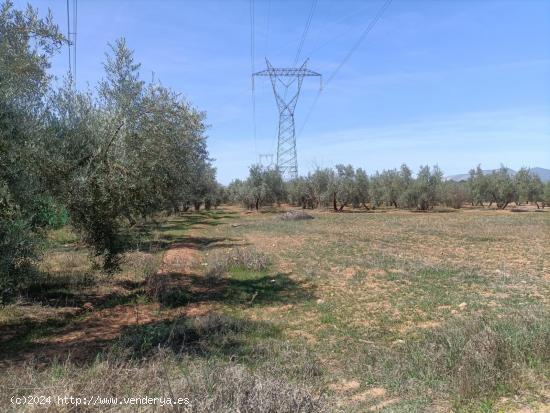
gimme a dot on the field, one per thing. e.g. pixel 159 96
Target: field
pixel 387 311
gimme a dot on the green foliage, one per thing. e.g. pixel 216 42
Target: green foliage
pixel 136 150
pixel 104 161
pixel 50 214
pixel 344 186
pixel 501 187
pixel 18 246
pixel 338 188
pixel 263 186
pixel 529 187
pixel 546 194
pixel 427 187
pixel 390 187
pixel 478 185
pixel 455 194
pixel 27 44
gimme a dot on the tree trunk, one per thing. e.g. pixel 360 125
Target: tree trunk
pixel 257 204
pixel 197 206
pixel 334 201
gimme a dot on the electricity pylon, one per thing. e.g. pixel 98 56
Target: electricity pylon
pixel 287 161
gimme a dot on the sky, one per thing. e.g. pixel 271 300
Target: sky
pixel 447 82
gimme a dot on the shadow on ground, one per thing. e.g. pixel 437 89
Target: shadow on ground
pixel 177 290
pixel 114 322
pixel 209 335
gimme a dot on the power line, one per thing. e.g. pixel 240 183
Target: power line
pixel 75 26
pixel 303 38
pixel 356 45
pixel 367 30
pixel 69 36
pixel 328 28
pixel 252 58
pixel 306 29
pixel 268 27
pixel 309 112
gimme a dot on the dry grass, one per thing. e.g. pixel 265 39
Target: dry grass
pixel 295 216
pixel 392 311
pixel 235 258
pixel 209 386
pixel 383 280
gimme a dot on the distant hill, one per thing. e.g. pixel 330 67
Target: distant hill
pixel 542 173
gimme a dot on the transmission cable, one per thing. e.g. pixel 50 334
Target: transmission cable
pixel 69 37
pixel 252 58
pixel 328 28
pixel 75 25
pixel 268 27
pixel 306 29
pixel 364 34
pixel 367 30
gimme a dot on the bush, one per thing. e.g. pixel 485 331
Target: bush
pixel 182 334
pixel 165 289
pixel 18 250
pixel 210 386
pixel 141 265
pixel 295 216
pixel 470 359
pixel 246 258
pixel 50 214
pixel 455 194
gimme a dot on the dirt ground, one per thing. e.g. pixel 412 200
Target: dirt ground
pixel 346 282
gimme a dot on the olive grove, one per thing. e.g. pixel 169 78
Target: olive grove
pixel 104 159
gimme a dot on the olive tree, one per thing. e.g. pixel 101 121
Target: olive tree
pixel 362 189
pixel 501 188
pixel 478 184
pixel 529 187
pixel 26 47
pixel 426 189
pixel 455 194
pixel 133 151
pixel 545 198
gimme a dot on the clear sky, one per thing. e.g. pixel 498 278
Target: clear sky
pixel 451 82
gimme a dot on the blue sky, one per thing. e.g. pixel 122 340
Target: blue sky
pixel 451 82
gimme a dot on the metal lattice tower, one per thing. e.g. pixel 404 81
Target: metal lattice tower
pixel 281 80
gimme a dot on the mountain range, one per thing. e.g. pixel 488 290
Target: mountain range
pixel 542 173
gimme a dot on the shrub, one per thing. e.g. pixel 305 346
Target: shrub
pixel 141 265
pixel 50 214
pixel 18 249
pixel 455 194
pixel 164 289
pixel 210 386
pixel 468 359
pixel 295 216
pixel 209 335
pixel 247 258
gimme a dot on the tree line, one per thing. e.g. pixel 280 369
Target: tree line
pixel 347 187
pixel 104 160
